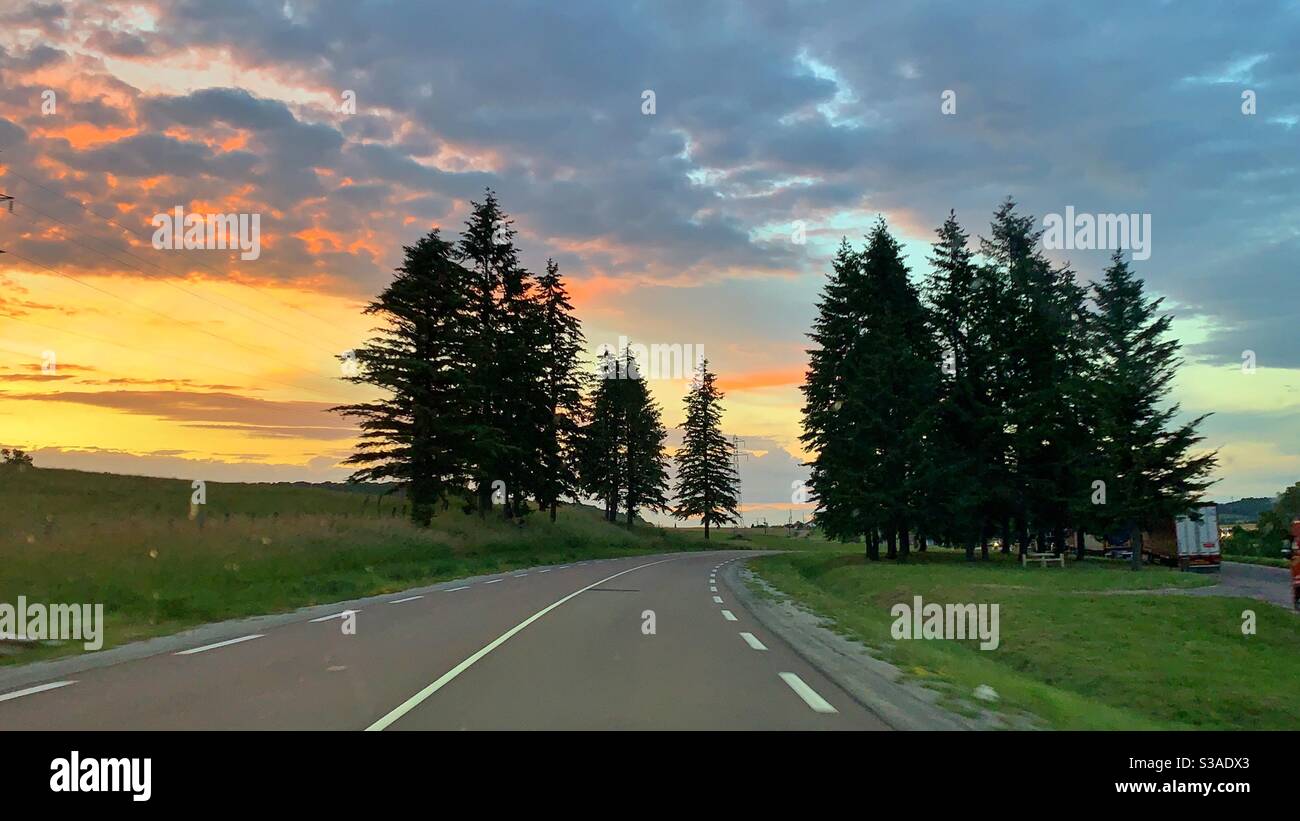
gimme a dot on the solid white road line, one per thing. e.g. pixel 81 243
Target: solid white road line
pixel 408 598
pixel 808 694
pixel 335 616
pixel 754 643
pixel 717 599
pixel 415 700
pixel 728 615
pixel 494 581
pixel 40 688
pixel 462 587
pixel 225 643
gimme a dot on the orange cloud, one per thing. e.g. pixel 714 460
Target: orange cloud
pixel 752 380
pixel 85 135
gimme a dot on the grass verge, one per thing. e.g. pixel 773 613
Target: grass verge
pixel 1083 647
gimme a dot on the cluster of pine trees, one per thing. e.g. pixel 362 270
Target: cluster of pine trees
pixel 1001 399
pixel 485 396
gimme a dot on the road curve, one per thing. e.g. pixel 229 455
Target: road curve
pixel 566 647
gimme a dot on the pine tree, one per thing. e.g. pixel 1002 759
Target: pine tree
pixel 870 382
pixel 561 343
pixel 707 483
pixel 847 506
pixel 1035 342
pixel 645 466
pixel 496 292
pixel 1079 431
pixel 893 387
pixel 420 358
pixel 1150 473
pixel 599 454
pixel 963 438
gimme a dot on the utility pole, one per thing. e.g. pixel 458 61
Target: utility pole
pixel 736 442
pixel 3 199
pixel 6 198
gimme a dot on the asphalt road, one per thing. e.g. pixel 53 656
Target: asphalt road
pixel 559 648
pixel 1270 584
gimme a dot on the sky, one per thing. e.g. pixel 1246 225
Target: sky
pixel 691 166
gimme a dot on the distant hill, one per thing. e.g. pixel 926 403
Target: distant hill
pixel 1244 510
pixel 30 494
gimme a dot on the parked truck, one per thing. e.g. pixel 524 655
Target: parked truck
pixel 1187 543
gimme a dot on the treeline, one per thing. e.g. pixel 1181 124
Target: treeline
pixel 1273 529
pixel 486 396
pixel 1000 400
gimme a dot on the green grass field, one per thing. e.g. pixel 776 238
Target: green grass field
pixel 1078 651
pixel 127 542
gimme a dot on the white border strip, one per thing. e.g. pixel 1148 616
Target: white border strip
pixel 225 643
pixel 40 688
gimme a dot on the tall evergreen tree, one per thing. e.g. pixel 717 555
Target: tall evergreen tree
pixel 848 505
pixel 869 384
pixel 992 358
pixel 1146 458
pixel 498 296
pixel 420 358
pixel 645 465
pixel 1079 421
pixel 964 438
pixel 599 449
pixel 561 343
pixel 707 484
pixel 893 387
pixel 1036 339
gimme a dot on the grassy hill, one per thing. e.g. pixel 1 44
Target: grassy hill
pixel 1243 510
pixel 129 543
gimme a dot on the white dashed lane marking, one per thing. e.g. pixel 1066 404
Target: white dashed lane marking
pixel 728 615
pixel 754 643
pixel 717 599
pixel 408 598
pixel 808 694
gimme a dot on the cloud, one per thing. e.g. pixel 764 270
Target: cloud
pixel 673 226
pixel 241 412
